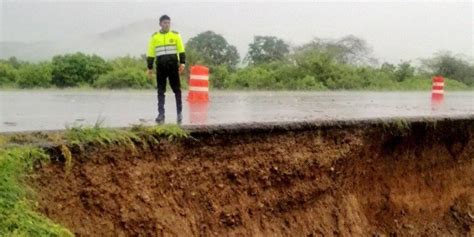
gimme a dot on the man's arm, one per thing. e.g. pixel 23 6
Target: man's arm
pixel 180 48
pixel 150 55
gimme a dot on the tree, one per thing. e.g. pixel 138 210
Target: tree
pixel 312 62
pixel 35 75
pixel 218 76
pixel 8 74
pixel 213 49
pixel 15 62
pixel 347 50
pixel 194 58
pixel 128 62
pixel 77 69
pixel 447 65
pixel 388 67
pixel 404 71
pixel 124 78
pixel 265 49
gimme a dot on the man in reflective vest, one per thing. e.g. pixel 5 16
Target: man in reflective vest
pixel 167 50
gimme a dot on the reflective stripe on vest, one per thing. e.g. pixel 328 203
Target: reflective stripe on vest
pixel 165 50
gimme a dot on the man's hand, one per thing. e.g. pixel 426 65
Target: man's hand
pixel 181 68
pixel 149 72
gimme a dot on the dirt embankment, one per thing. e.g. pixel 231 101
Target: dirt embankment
pixel 366 179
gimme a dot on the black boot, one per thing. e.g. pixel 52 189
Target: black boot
pixel 161 103
pixel 179 119
pixel 161 108
pixel 160 119
pixel 179 107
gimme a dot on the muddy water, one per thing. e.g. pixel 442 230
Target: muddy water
pixel 45 110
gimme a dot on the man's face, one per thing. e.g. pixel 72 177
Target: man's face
pixel 165 25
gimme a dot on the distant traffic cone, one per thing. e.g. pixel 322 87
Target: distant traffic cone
pixel 437 92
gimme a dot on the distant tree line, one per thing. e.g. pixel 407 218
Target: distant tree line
pixel 270 64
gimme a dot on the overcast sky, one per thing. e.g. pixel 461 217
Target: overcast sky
pixel 396 30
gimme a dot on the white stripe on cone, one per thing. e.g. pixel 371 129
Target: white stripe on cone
pixel 195 88
pixel 438 83
pixel 438 91
pixel 199 77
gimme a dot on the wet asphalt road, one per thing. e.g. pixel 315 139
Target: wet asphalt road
pixel 51 110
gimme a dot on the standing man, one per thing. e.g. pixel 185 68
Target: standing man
pixel 167 49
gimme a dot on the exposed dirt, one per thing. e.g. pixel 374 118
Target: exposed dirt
pixel 359 180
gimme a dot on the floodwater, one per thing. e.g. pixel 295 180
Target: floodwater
pixel 51 110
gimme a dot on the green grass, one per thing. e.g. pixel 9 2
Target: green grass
pixel 98 135
pixel 103 136
pixel 138 134
pixel 17 206
pixel 171 132
pixel 33 138
pixel 17 215
pixel 3 140
pixel 398 126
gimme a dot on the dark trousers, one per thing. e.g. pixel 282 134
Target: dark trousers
pixel 170 71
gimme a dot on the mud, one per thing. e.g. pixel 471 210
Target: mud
pixel 347 179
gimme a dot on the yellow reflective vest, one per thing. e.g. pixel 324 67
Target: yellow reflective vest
pixel 166 46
